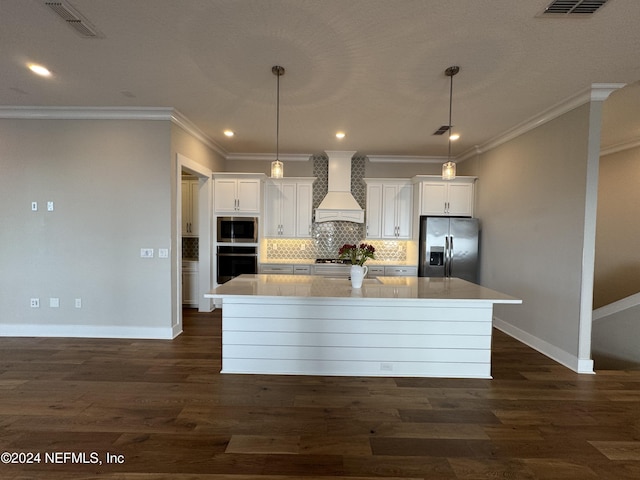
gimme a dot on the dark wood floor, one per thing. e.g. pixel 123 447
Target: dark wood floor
pixel 162 410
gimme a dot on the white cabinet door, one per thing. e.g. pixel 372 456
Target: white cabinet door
pixel 389 209
pixel 460 199
pixel 190 284
pixel 225 200
pixel 304 209
pixel 288 209
pixel 249 195
pixel 374 210
pixel 434 198
pixel 453 198
pixel 189 208
pixel 271 210
pixel 404 211
pixel 236 195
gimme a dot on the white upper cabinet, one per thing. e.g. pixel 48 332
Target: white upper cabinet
pixel 235 194
pixel 288 208
pixel 445 197
pixel 189 208
pixel 389 208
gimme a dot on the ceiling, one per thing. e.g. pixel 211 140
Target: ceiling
pixel 371 68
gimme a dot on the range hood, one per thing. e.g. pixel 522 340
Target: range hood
pixel 339 204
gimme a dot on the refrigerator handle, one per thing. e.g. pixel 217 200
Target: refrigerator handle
pixel 450 255
pixel 446 255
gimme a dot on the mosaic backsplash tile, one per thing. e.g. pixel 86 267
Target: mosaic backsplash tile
pixel 306 249
pixel 189 247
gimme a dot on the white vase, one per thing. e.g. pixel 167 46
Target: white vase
pixel 357 275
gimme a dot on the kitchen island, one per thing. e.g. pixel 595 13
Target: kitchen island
pixel 392 326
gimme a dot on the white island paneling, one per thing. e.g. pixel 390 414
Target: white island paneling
pixel 308 325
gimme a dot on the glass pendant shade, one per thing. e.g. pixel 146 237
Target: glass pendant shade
pixel 448 170
pixel 277 169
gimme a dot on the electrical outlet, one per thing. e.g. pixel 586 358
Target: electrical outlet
pixel 49 206
pixel 303 247
pixel 146 253
pixel 163 253
pixel 78 303
pixel 35 303
pixel 386 367
pixel 54 302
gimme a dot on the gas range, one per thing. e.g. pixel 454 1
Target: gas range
pixel 332 267
pixel 339 261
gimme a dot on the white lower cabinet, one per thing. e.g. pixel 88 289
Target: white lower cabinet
pixel 392 271
pixel 277 268
pixel 190 283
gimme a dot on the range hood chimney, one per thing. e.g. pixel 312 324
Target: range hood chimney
pixel 339 204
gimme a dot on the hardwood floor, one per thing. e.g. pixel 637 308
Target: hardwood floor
pixel 160 409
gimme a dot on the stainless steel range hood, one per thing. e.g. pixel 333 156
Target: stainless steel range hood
pixel 339 204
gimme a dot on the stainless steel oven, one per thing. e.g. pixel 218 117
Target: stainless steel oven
pixel 237 229
pixel 233 261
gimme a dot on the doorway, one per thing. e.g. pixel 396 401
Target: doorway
pixel 202 280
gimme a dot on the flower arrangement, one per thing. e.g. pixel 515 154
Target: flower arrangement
pixel 358 254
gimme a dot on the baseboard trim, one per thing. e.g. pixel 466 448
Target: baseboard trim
pixel 86 331
pixel 554 353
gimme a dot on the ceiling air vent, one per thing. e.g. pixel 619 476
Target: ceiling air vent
pixel 74 19
pixel 572 8
pixel 442 130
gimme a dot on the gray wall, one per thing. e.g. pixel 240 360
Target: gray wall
pixel 617 273
pixel 531 201
pixel 111 181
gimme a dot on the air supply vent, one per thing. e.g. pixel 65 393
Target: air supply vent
pixel 74 19
pixel 442 130
pixel 572 8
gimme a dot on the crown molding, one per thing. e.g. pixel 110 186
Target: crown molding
pixel 405 159
pixel 269 157
pixel 620 147
pixel 86 113
pixel 110 113
pixel 183 122
pixel 596 92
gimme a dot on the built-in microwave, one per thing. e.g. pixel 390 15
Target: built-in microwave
pixel 238 229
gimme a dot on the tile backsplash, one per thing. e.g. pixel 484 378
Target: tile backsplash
pixel 189 247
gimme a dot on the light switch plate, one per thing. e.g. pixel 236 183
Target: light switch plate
pixel 49 206
pixel 163 253
pixel 54 302
pixel 34 206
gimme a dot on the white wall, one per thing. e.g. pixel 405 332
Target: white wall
pixel 531 201
pixel 110 181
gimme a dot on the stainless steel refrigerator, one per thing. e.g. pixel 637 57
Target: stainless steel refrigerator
pixel 448 247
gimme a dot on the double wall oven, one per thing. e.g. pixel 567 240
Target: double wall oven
pixel 237 247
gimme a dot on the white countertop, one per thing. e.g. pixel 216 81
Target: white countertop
pixel 311 286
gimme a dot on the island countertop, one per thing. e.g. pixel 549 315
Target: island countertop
pixel 313 286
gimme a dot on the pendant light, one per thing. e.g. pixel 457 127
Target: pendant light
pixel 449 168
pixel 277 169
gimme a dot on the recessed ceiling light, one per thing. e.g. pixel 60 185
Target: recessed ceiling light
pixel 39 70
pixel 454 136
pixel 341 135
pixel 229 133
